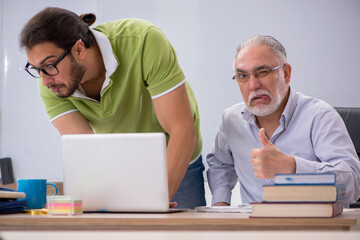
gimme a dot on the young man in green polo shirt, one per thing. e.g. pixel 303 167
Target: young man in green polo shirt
pixel 120 76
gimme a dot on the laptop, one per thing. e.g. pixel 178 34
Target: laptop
pixel 117 172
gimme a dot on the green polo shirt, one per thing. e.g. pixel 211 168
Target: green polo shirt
pixel 140 65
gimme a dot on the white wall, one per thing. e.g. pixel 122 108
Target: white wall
pixel 0 78
pixel 321 36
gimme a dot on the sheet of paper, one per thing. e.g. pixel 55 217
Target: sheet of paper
pixel 243 208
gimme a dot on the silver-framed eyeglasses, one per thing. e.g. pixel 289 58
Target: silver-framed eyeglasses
pixel 242 77
pixel 49 69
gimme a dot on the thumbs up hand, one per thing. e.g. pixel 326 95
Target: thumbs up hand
pixel 268 160
pixel 263 139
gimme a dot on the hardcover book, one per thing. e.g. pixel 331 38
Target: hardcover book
pixel 10 194
pixel 12 206
pixel 289 210
pixel 305 178
pixel 304 193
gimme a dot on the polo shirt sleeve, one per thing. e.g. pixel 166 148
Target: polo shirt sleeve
pixel 161 69
pixel 54 106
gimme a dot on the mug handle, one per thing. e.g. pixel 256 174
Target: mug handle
pixel 56 189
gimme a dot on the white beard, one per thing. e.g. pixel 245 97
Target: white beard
pixel 275 101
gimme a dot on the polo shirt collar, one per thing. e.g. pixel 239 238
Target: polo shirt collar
pixel 109 59
pixel 106 50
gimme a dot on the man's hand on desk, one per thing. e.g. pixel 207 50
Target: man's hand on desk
pixel 172 204
pixel 221 204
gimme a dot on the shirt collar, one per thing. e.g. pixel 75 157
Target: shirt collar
pixel 106 50
pixel 289 109
pixel 285 116
pixel 109 59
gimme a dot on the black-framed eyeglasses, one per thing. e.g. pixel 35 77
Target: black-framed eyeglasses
pixel 242 77
pixel 49 69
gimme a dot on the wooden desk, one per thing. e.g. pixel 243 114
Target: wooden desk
pixel 173 221
pixel 182 235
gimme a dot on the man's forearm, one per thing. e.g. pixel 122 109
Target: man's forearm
pixel 179 151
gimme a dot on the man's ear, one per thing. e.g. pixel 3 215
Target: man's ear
pixel 287 73
pixel 79 50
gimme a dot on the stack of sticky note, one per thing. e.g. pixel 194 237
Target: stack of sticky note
pixel 64 205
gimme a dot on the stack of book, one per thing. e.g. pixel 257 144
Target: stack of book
pixel 301 195
pixel 9 201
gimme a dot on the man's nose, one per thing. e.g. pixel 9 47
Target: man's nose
pixel 46 79
pixel 254 82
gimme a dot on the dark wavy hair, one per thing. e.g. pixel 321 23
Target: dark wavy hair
pixel 59 26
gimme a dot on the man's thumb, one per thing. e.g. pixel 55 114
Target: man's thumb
pixel 262 137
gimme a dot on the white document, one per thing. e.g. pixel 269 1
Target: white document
pixel 243 208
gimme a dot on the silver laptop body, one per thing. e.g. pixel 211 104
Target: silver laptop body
pixel 116 172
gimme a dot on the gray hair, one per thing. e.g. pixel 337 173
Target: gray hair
pixel 272 43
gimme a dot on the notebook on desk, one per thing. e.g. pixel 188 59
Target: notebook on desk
pixel 116 172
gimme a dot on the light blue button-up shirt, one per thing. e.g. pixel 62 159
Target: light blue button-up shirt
pixel 310 130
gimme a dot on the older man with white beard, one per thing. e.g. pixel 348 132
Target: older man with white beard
pixel 276 130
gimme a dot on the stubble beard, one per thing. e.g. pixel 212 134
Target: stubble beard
pixel 77 73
